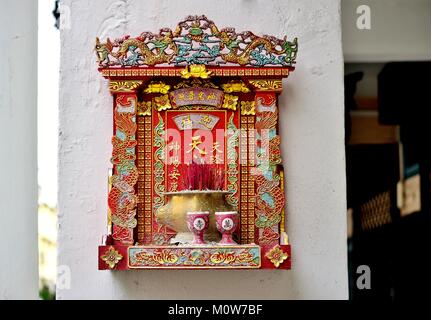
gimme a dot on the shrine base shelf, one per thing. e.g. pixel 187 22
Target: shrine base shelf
pixel 250 256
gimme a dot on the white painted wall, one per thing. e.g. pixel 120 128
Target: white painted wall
pixel 400 31
pixel 313 149
pixel 18 154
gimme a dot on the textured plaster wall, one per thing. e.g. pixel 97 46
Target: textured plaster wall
pixel 18 153
pixel 313 148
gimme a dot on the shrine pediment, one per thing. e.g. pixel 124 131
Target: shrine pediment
pixel 196 41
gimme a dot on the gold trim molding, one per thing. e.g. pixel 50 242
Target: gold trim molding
pixel 235 86
pixel 158 87
pixel 267 85
pixel 195 71
pixel 124 86
pixel 176 72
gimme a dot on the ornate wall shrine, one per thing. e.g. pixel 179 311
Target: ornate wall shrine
pixel 197 179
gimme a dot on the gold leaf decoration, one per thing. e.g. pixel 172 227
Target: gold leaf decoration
pixel 277 256
pixel 195 71
pixel 230 102
pixel 144 108
pixel 124 86
pixel 267 85
pixel 195 82
pixel 162 102
pixel 235 86
pixel 248 108
pixel 111 257
pixel 157 87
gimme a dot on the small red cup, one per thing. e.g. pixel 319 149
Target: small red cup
pixel 227 222
pixel 198 222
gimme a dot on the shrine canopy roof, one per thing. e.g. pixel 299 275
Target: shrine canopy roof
pixel 196 41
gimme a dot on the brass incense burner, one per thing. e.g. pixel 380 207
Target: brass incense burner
pixel 173 214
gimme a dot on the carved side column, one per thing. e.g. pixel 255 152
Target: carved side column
pixel 122 198
pixel 269 202
pixel 144 157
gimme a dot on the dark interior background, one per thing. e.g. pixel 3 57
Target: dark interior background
pixel 396 249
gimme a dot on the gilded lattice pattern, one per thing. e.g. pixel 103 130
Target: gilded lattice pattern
pixel 144 156
pixel 247 160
